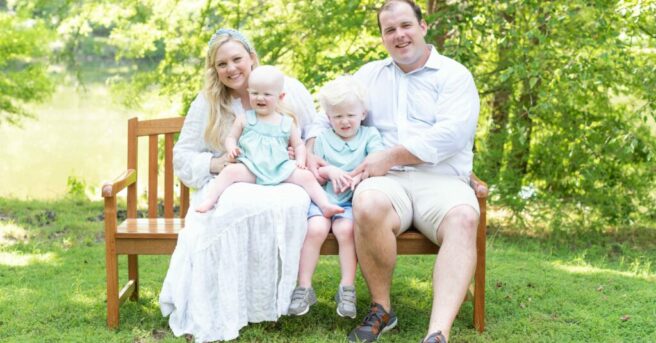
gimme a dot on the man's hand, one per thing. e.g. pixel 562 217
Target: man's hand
pixel 355 181
pixel 341 180
pixel 376 164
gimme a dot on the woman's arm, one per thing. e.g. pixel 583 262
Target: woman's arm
pixel 192 159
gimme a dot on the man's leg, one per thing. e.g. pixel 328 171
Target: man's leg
pixel 376 225
pixel 454 267
pixel 381 210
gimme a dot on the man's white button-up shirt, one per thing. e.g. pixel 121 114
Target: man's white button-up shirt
pixel 431 111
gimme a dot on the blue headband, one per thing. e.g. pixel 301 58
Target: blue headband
pixel 233 34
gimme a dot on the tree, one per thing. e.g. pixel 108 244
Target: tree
pixel 23 66
pixel 567 117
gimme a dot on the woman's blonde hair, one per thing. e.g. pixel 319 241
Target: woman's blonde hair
pixel 218 96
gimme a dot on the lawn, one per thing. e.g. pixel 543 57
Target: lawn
pixel 540 288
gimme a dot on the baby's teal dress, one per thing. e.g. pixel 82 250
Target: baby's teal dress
pixel 264 149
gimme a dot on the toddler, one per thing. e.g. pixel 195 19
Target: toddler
pixel 264 135
pixel 343 147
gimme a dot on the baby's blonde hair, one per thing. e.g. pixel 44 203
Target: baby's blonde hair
pixel 342 89
pixel 279 79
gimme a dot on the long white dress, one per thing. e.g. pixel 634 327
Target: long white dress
pixel 238 263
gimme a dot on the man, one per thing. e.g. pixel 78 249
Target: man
pixel 426 108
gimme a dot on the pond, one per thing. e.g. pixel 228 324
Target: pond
pixel 79 133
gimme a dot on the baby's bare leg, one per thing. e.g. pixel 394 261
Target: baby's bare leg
pixel 305 179
pixel 235 172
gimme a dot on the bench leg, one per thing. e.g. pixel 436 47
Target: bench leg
pixel 111 261
pixel 133 274
pixel 479 279
pixel 479 299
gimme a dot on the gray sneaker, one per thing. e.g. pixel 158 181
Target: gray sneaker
pixel 345 299
pixel 302 299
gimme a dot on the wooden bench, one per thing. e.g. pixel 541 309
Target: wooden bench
pixel 157 235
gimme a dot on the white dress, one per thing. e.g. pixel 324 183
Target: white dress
pixel 238 263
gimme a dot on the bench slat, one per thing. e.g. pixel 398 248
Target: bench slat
pixel 168 228
pixel 147 228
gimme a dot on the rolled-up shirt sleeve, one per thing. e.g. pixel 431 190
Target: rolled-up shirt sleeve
pixel 453 132
pixel 191 156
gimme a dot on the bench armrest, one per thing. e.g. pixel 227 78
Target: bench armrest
pixel 127 178
pixel 480 187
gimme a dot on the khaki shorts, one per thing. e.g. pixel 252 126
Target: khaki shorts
pixel 422 199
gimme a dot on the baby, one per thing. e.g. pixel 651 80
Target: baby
pixel 260 140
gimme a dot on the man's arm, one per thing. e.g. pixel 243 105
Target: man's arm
pixel 380 162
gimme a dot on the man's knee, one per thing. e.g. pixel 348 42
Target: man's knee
pixel 462 221
pixel 370 206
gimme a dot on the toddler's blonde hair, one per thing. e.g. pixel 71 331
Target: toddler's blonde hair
pixel 341 89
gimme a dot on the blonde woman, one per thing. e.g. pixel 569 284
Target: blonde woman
pixel 237 263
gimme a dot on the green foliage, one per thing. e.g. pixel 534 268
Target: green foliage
pixel 557 135
pixel 75 187
pixel 568 109
pixel 23 64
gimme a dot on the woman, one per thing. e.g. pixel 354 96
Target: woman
pixel 238 263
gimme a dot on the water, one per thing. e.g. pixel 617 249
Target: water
pixel 76 133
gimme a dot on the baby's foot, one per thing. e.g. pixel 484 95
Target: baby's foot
pixel 330 210
pixel 204 207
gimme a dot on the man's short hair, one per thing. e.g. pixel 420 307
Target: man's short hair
pixel 390 3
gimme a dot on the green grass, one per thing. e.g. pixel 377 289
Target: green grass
pixel 540 288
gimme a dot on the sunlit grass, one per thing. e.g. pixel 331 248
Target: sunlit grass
pixel 21 260
pixel 11 233
pixel 639 272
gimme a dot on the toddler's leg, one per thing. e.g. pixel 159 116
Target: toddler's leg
pixel 345 297
pixel 305 179
pixel 343 231
pixel 235 172
pixel 304 296
pixel 318 228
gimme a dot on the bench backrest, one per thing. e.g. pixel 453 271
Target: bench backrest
pixel 153 129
